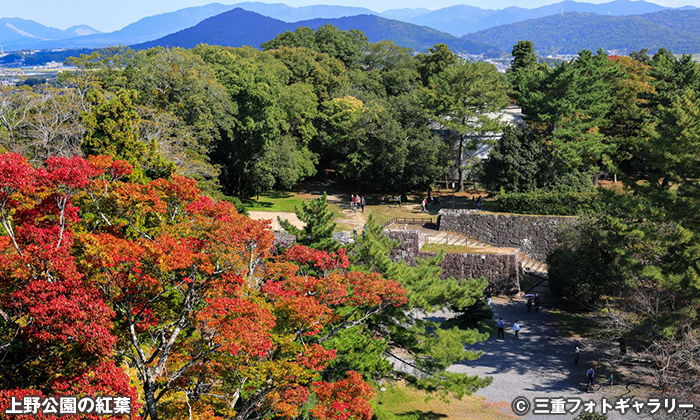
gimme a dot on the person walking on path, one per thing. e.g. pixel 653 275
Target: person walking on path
pixel 501 326
pixel 537 302
pixel 577 355
pixel 590 374
pixel 362 203
pixel 516 328
pixel 529 304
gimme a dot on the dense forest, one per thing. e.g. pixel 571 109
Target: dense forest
pixel 125 259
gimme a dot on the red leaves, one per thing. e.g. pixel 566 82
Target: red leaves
pixel 15 175
pixel 344 399
pixel 322 260
pixel 238 325
pixel 372 290
pixel 117 169
pixel 104 379
pixel 174 267
pixel 338 287
pixel 64 325
pixel 69 173
pixel 287 402
pixel 316 357
pixel 66 313
pixel 179 188
pixel 304 313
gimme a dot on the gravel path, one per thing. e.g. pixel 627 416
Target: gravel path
pixel 539 364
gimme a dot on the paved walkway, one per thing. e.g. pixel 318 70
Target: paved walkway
pixel 539 364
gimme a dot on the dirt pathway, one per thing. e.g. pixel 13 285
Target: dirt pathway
pixel 272 215
pixel 352 219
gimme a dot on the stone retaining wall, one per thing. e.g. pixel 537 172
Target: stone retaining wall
pixel 502 271
pixel 535 236
pixel 284 240
pixel 409 245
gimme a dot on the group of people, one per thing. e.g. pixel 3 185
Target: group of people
pixel 502 325
pixel 357 202
pixel 533 301
pixel 428 200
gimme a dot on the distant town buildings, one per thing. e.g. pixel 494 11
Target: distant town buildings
pixel 10 77
pixel 51 65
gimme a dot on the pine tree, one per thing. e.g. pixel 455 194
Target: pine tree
pixel 430 347
pixel 318 232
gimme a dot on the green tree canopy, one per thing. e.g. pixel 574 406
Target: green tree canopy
pixel 467 98
pixel 318 230
pixel 112 129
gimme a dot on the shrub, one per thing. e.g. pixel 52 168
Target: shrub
pixel 550 203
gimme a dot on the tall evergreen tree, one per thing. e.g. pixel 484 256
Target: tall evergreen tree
pixel 318 231
pixel 466 98
pixel 424 347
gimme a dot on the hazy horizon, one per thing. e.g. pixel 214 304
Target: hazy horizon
pixel 109 16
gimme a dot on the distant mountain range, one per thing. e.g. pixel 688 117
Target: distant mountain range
pixel 568 33
pixel 146 29
pixel 239 27
pixel 563 27
pixel 462 19
pixel 455 20
pixel 15 31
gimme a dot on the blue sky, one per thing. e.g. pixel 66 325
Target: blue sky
pixel 110 15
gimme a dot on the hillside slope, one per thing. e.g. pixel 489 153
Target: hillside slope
pixel 239 27
pixel 676 30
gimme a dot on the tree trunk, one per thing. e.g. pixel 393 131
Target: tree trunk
pixel 149 391
pixel 623 346
pixel 460 169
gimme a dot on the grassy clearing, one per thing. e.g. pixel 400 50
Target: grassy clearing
pixel 283 201
pixel 490 326
pixel 384 212
pixel 411 208
pixel 275 201
pixel 577 325
pixel 399 402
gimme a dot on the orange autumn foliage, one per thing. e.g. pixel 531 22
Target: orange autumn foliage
pixel 96 271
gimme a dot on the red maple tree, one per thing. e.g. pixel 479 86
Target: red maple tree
pixel 103 281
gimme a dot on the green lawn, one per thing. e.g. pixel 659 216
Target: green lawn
pixel 382 213
pixel 282 201
pixel 285 201
pixel 399 402
pixel 277 201
pixel 573 323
